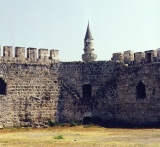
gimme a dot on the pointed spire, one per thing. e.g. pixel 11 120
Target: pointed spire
pixel 88 33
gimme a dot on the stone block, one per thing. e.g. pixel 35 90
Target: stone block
pixel 150 55
pixel 43 54
pixel 20 52
pixel 158 54
pixel 1 126
pixel 138 57
pixel 54 54
pixel 8 51
pixel 118 56
pixel 32 54
pixel 128 56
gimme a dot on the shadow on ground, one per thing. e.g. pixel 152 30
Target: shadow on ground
pixel 117 123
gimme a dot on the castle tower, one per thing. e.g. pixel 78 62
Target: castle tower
pixel 88 47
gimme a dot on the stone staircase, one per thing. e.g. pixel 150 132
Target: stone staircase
pixel 80 100
pixel 70 90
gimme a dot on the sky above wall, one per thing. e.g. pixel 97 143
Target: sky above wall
pixel 116 25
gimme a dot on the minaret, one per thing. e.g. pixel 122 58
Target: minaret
pixel 88 47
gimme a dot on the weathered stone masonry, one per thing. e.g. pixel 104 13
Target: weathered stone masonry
pixel 129 106
pixel 38 92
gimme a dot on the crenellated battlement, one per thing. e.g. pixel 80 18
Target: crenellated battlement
pixel 44 55
pixel 131 58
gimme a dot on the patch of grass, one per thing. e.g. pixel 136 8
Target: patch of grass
pixel 17 127
pixel 53 123
pixel 88 126
pixel 59 137
pixel 62 125
pixel 28 128
pixel 72 124
pixel 79 136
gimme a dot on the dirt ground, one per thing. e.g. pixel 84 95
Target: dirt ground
pixel 79 136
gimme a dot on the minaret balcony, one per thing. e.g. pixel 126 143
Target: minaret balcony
pixel 89 57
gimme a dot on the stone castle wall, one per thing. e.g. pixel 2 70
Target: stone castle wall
pixel 129 106
pixel 45 88
pixel 102 77
pixel 31 97
pixel 37 93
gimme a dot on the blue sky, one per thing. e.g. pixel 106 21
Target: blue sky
pixel 116 25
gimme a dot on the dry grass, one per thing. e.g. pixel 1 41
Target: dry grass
pixel 80 136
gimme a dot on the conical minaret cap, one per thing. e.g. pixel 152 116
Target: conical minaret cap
pixel 88 33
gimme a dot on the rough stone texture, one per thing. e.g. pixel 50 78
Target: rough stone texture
pixel 20 52
pixel 158 54
pixel 48 89
pixel 138 57
pixel 131 108
pixel 37 93
pixel 152 55
pixel 118 57
pixel 32 55
pixel 54 54
pixel 7 51
pixel 128 56
pixel 43 54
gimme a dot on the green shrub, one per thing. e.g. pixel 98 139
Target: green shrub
pixel 62 124
pixel 72 123
pixel 51 123
pixel 16 127
pixel 59 137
